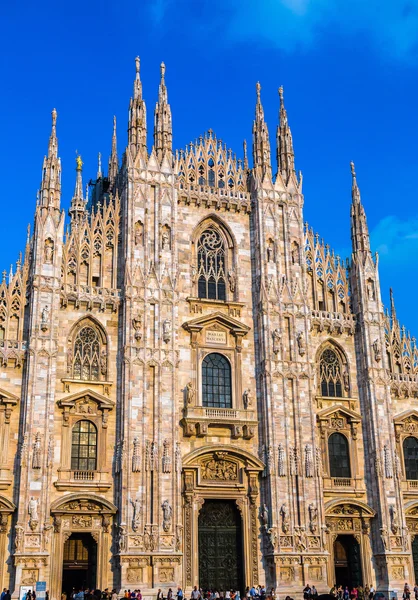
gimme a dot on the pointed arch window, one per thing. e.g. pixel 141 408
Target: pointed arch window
pixel 86 361
pixel 339 456
pixel 84 446
pixel 211 265
pixel 410 457
pixel 216 381
pixel 330 374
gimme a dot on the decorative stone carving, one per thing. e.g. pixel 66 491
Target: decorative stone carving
pixel 167 515
pixel 232 278
pixel 19 538
pixel 179 538
pixel 29 576
pixel 136 456
pixel 293 460
pixel 177 458
pixel 281 463
pixel 50 452
pixel 273 537
pixel 83 521
pixel 270 460
pixel 384 538
pixel 318 462
pixel 218 468
pixel 300 539
pixel 388 462
pixel 394 524
pixel 36 452
pixel 166 460
pixel 166 330
pixel 154 457
pixel 33 513
pixel 138 233
pixel 165 238
pixel 136 517
pixel 309 463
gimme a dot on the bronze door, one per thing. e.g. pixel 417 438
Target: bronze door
pixel 220 546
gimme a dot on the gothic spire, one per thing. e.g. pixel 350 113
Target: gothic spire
pixel 261 144
pixel 137 128
pixel 360 238
pixel 113 159
pixel 285 152
pixel 163 131
pixel 78 204
pixel 392 306
pixel 50 191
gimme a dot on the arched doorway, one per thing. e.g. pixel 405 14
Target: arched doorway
pixel 220 546
pixel 347 561
pixel 415 556
pixel 79 563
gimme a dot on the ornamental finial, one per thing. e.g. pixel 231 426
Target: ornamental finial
pixel 79 163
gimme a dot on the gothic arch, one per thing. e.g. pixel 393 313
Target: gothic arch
pixel 97 503
pixel 360 507
pixel 250 460
pixel 87 359
pixel 340 381
pixel 94 322
pixel 214 220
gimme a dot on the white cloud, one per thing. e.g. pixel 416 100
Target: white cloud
pixel 391 25
pixel 396 241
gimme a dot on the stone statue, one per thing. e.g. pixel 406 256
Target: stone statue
pixel 19 537
pixel 45 318
pixel 232 281
pixel 49 251
pixel 137 513
pixel 285 518
pixel 166 331
pixel 36 456
pixel 376 350
pixel 384 537
pixel 370 289
pixel 265 515
pixel 277 336
pixel 272 533
pixel 33 509
pixel 300 539
pixel 309 464
pixel 137 324
pixel 165 240
pixel 190 393
pixel 313 517
pixel 167 514
pixel 301 343
pixel 122 546
pixel 388 462
pixel 270 251
pixel 138 233
pixel 393 519
pixel 246 399
pixel 346 380
pixel 103 363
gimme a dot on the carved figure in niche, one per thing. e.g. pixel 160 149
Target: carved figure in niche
pixel 122 545
pixel 30 576
pixel 138 233
pixel 167 514
pixel 165 239
pixel 377 351
pixel 167 330
pixel 313 517
pixel 194 273
pixel 69 360
pixel 103 363
pixel 137 514
pixel 246 399
pixel 264 514
pixel 137 324
pixel 346 380
pixel 44 318
pixel 277 336
pixel 219 469
pixel 19 537
pixel 36 456
pixel 136 458
pixel 300 539
pixel 295 253
pixel 301 343
pixel 272 533
pixel 48 251
pixel 33 509
pixel 270 251
pixel 46 537
pixel 285 517
pixel 190 393
pixel 370 289
pixel 393 519
pixel 232 281
pixel 384 537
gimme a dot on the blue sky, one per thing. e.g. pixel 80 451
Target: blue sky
pixel 349 70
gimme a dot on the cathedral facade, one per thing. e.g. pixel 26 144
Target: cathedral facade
pixel 194 389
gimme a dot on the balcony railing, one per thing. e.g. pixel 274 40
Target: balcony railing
pixel 342 482
pixel 83 475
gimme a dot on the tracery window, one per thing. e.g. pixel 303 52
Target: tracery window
pixel 86 360
pixel 339 456
pixel 84 446
pixel 410 457
pixel 211 265
pixel 330 374
pixel 216 381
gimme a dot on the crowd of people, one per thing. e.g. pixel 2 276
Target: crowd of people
pixel 354 593
pixel 89 594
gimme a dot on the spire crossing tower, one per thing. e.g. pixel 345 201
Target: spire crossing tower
pixel 78 204
pixel 50 190
pixel 359 231
pixel 163 130
pixel 137 128
pixel 285 152
pixel 113 159
pixel 261 143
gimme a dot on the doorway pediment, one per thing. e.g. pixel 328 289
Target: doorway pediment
pixel 232 325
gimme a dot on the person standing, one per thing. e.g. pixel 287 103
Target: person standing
pixel 196 595
pixel 160 595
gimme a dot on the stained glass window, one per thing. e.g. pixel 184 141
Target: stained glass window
pixel 86 360
pixel 211 265
pixel 330 374
pixel 216 381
